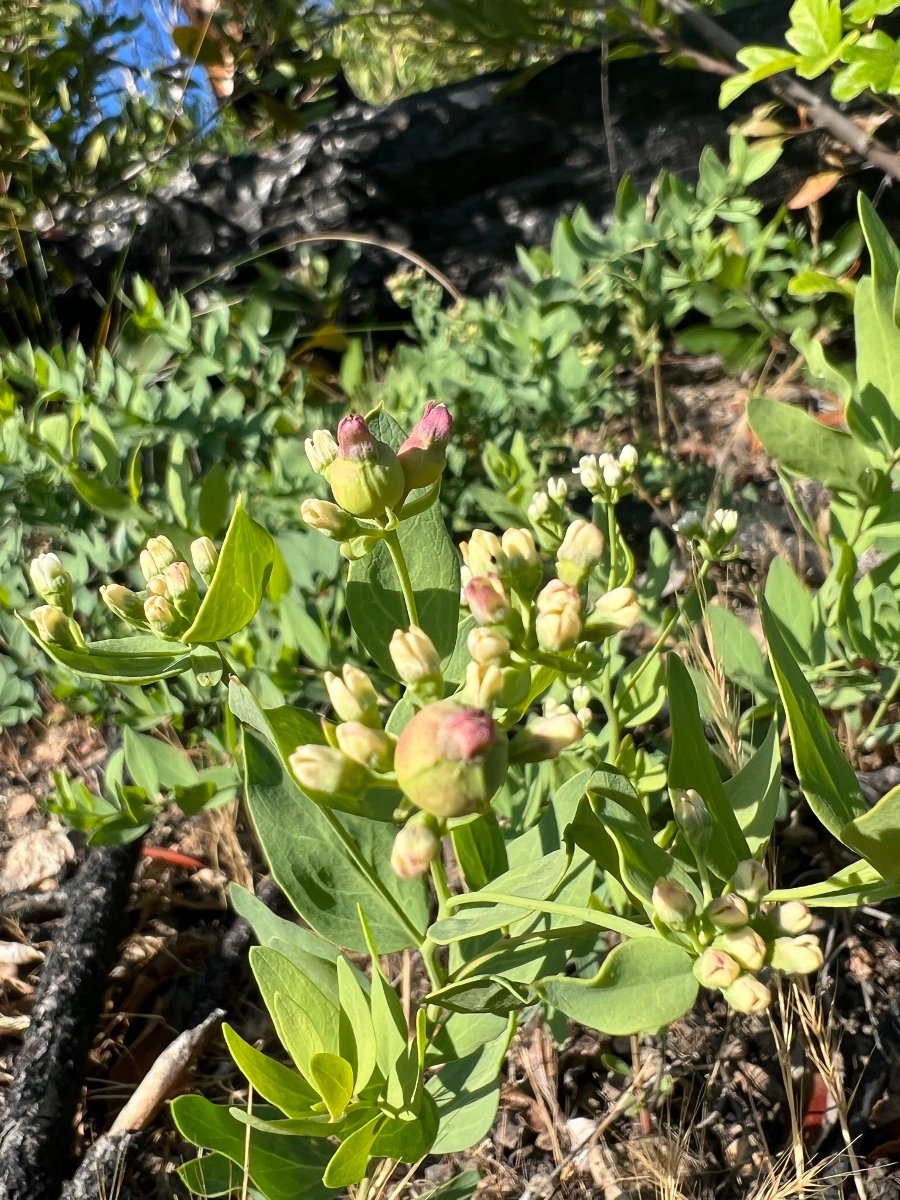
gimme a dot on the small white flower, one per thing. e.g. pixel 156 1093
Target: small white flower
pixel 628 459
pixel 557 489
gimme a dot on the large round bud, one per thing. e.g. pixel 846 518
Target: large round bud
pixel 366 478
pixel 451 760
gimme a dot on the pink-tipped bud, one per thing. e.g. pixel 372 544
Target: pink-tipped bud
pixel 329 520
pixel 371 748
pixel 716 969
pixel 451 760
pixel 353 696
pixel 581 550
pixel 488 647
pixel 797 955
pixel 416 659
pixel 157 586
pixel 423 455
pixel 558 625
pixel 792 917
pixel 744 945
pixel 673 903
pixel 366 479
pixel 748 995
pixel 323 772
pixel 545 737
pixel 750 880
pixel 487 600
pixel 728 912
pixel 415 847
pixel 162 617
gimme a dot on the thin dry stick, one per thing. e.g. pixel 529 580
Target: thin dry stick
pixel 823 114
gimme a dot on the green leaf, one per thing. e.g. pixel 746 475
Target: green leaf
pixel 753 793
pixel 351 1159
pixel 791 603
pixel 691 765
pixel 310 864
pixel 533 880
pixel 761 62
pixel 281 1168
pixel 332 1076
pixel 876 835
pixel 306 1021
pixel 827 779
pixel 641 986
pixel 735 649
pixel 239 583
pixel 467 1094
pixel 460 1188
pixel 139 659
pixel 155 764
pixel 804 447
pixel 855 885
pixel 374 599
pixel 356 1033
pixel 480 850
pixel 274 1082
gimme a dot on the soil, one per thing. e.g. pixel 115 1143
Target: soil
pixel 802 1101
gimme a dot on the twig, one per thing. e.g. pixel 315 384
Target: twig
pixel 790 91
pixel 36 1135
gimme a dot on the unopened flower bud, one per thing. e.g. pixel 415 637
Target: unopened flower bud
pixel 792 917
pixel 589 471
pixel 724 524
pixel 162 552
pixel 56 628
pixel 487 646
pixel 690 525
pixel 523 567
pixel 797 955
pixel 483 685
pixel 451 760
pixel 423 455
pixel 321 450
pixel 329 519
pixel 205 557
pixel 715 969
pixel 415 847
pixel 157 586
pixel 750 880
pixel 672 903
pixel 557 489
pixel 744 945
pixel 124 603
pixel 581 696
pixel 690 813
pixel 613 613
pixel 353 696
pixel 545 737
pixel 628 459
pixel 487 600
pixel 181 590
pixel 371 748
pixel 748 995
pixel 52 581
pixel 162 617
pixel 366 479
pixel 483 553
pixel 728 912
pixel 539 506
pixel 558 624
pixel 613 473
pixel 415 658
pixel 323 771
pixel 581 550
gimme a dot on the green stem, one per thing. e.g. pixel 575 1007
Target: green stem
pixel 889 697
pixel 392 541
pixel 613 727
pixel 474 965
pixel 582 915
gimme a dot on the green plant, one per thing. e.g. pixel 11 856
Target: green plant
pixel 542 814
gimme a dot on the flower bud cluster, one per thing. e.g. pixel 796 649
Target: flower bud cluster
pixel 712 538
pixel 54 620
pixel 608 476
pixel 170 599
pixel 737 935
pixel 369 479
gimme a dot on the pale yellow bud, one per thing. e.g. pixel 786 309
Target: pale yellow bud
pixel 483 553
pixel 748 995
pixel 415 658
pixel 728 912
pixel 545 737
pixel 487 646
pixel 581 550
pixel 484 685
pixel 672 903
pixel 353 696
pixel 371 748
pixel 716 969
pixel 797 955
pixel 792 917
pixel 744 945
pixel 558 625
pixel 613 613
pixel 750 880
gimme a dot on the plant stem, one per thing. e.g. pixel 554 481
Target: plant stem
pixel 590 916
pixel 887 700
pixel 668 627
pixel 392 541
